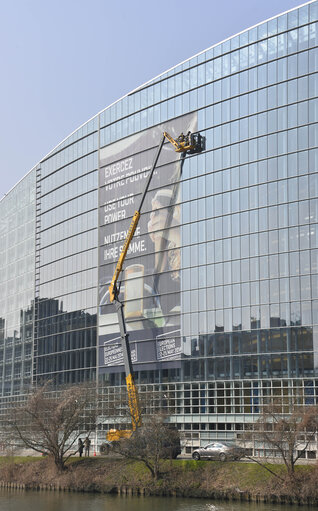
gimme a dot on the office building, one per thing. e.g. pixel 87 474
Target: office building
pixel 221 281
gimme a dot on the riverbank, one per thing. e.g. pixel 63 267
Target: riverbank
pixel 182 478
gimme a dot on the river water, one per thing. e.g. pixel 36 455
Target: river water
pixel 11 500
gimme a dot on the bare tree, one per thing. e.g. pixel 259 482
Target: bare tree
pixel 153 442
pixel 287 429
pixel 51 422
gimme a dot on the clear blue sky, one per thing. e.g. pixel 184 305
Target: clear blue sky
pixel 63 61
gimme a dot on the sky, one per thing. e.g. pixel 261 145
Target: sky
pixel 63 61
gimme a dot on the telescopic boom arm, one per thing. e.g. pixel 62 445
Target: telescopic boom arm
pixel 113 290
pixel 190 143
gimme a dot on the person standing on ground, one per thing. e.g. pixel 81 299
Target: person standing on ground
pixel 80 447
pixel 87 444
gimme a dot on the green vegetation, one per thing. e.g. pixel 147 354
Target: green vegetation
pixel 178 477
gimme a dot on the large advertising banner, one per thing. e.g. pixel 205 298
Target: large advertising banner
pixel 150 280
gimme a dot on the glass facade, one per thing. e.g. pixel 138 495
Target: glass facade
pixel 17 254
pixel 221 282
pixel 66 260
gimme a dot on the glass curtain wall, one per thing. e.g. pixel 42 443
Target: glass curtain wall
pixel 243 293
pixel 17 253
pixel 65 292
pixel 249 202
pixel 249 218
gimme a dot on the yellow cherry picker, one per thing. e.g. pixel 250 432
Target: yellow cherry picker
pixel 185 144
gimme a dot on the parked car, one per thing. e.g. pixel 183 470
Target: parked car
pixel 219 451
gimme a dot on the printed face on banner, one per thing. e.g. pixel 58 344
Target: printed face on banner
pixel 150 280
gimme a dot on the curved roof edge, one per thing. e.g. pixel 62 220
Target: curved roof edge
pixel 213 46
pixel 152 80
pixel 18 182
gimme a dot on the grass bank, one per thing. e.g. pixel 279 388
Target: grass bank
pixel 187 478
